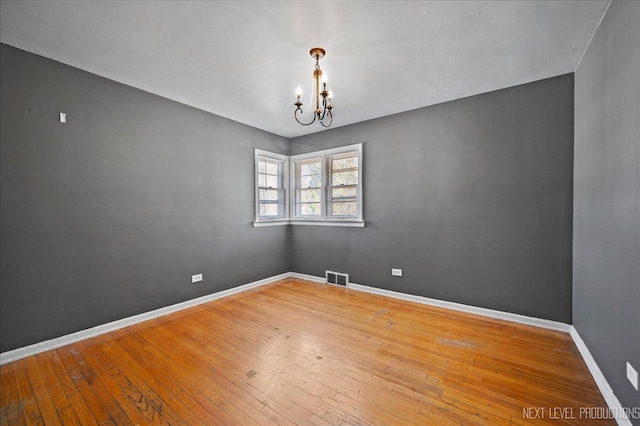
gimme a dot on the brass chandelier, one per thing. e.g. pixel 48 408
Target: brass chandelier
pixel 323 97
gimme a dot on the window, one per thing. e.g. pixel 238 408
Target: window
pixel 271 181
pixel 325 188
pixel 342 198
pixel 308 188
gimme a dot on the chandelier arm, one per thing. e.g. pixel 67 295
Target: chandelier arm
pixel 295 115
pixel 322 113
pixel 330 121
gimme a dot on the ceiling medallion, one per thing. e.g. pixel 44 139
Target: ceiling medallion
pixel 323 97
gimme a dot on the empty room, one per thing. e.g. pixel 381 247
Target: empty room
pixel 319 213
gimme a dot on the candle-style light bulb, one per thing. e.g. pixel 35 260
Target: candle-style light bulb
pixel 325 77
pixel 299 91
pixel 330 96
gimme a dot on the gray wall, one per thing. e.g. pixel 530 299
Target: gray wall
pixel 606 221
pixel 471 198
pixel 110 215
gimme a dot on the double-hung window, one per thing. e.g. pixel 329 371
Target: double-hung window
pixel 308 188
pixel 327 186
pixel 342 185
pixel 272 173
pixel 316 188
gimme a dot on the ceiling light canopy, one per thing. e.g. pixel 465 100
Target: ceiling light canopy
pixel 323 109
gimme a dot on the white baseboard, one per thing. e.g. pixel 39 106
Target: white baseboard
pixel 37 348
pixel 507 316
pixel 308 277
pixel 606 391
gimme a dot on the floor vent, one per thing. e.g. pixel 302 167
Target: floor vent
pixel 337 278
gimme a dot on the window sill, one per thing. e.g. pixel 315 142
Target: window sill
pixel 347 223
pixel 260 224
pixel 343 223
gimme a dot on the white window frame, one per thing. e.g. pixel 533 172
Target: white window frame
pixel 324 219
pixel 290 189
pixel 295 166
pixel 284 159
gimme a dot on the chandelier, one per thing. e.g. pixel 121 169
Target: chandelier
pixel 323 97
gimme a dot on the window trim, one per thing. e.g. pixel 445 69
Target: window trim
pixel 260 153
pixel 290 189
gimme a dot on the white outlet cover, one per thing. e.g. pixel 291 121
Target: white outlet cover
pixel 632 375
pixel 63 117
pixel 196 278
pixel 396 272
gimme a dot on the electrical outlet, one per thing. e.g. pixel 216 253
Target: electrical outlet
pixel 63 117
pixel 196 278
pixel 396 272
pixel 632 375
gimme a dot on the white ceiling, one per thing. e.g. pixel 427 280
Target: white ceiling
pixel 243 60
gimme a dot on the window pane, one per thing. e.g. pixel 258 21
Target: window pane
pixel 309 196
pixel 270 210
pixel 344 163
pixel 270 195
pixel 272 167
pixel 310 209
pixel 272 181
pixel 313 181
pixel 344 209
pixel 344 178
pixel 269 181
pixel 261 166
pixel 310 168
pixel 346 191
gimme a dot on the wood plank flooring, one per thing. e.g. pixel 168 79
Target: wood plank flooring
pixel 296 352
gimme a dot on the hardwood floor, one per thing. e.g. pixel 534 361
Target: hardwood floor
pixel 297 352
